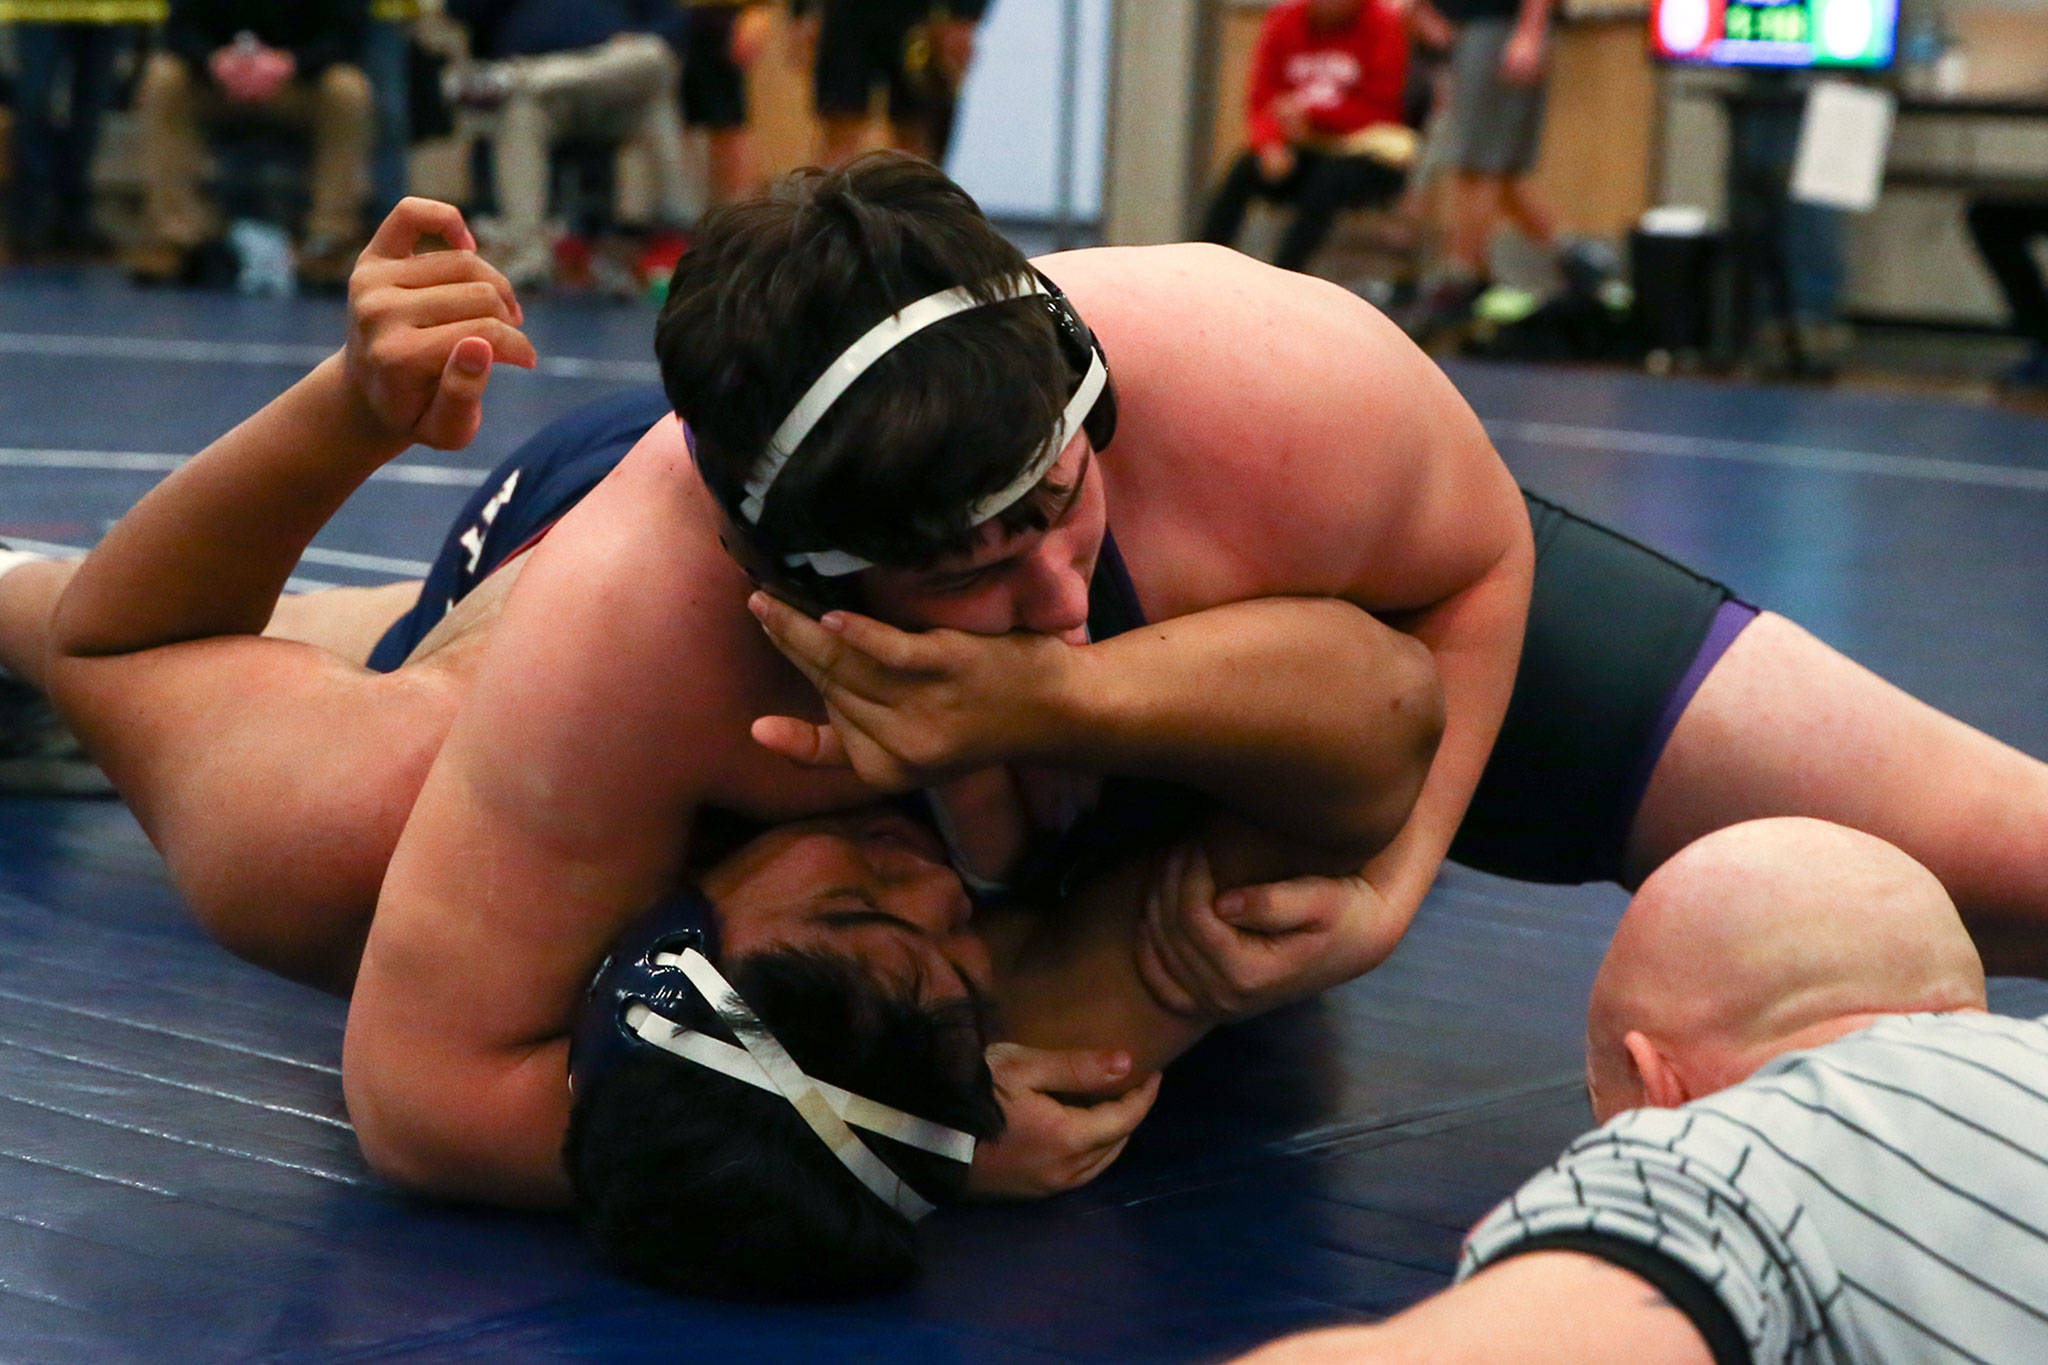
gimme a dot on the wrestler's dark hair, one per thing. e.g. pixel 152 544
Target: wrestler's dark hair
pixel 696 1182
pixel 776 287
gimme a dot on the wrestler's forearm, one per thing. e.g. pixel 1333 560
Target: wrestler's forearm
pixel 207 551
pixel 1476 639
pixel 442 1115
pixel 1541 1308
pixel 1304 716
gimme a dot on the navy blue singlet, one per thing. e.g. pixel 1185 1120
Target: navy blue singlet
pixel 524 496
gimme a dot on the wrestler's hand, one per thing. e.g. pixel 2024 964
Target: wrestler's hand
pixel 1067 1116
pixel 909 710
pixel 426 325
pixel 1207 956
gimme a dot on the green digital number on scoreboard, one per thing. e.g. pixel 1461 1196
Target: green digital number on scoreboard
pixel 1770 23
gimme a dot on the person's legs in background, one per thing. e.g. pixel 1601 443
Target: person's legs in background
pixel 1797 247
pixel 851 63
pixel 520 139
pixel 642 72
pixel 1530 210
pixel 32 198
pixel 1245 182
pixel 52 208
pixel 721 43
pixel 342 118
pixel 169 104
pixel 387 55
pixel 95 51
pixel 1475 210
pixel 1324 186
pixel 1491 132
pixel 623 89
pixel 2004 231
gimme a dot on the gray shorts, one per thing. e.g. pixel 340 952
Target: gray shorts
pixel 1490 126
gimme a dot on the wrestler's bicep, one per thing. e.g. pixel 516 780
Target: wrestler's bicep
pixel 590 728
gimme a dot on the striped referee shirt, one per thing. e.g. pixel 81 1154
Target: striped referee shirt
pixel 1882 1198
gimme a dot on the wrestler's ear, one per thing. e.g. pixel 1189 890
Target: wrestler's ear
pixel 1658 1079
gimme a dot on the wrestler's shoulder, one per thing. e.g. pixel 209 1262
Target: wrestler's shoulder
pixel 1180 278
pixel 652 503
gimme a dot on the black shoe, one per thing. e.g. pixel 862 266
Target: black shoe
pixel 38 755
pixel 1445 311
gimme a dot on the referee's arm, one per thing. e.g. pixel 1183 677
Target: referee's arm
pixel 1533 1309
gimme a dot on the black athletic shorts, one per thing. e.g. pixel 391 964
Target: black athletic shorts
pixel 1619 639
pixel 714 87
pixel 863 44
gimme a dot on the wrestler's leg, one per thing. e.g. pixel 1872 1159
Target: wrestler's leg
pixel 273 777
pixel 1784 725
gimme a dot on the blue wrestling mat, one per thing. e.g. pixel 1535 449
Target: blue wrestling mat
pixel 177 1178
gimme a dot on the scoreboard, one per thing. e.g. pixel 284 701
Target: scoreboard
pixel 1781 33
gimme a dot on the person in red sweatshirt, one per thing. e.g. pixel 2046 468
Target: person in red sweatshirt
pixel 1326 97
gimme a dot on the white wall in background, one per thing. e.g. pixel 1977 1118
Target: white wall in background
pixel 1004 149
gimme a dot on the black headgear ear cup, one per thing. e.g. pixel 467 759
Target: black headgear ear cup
pixel 1078 345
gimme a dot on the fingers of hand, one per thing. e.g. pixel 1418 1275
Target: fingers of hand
pixel 1159 980
pixel 415 218
pixel 834 661
pixel 1071 1071
pixel 509 345
pixel 886 645
pixel 1096 1165
pixel 456 409
pixel 446 267
pixel 1085 1129
pixel 1201 988
pixel 805 643
pixel 801 741
pixel 1282 907
pixel 433 305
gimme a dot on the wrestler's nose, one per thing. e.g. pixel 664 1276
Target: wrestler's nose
pixel 1053 591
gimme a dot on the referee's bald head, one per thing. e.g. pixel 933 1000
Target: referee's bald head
pixel 1761 938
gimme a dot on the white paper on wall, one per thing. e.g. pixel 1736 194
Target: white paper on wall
pixel 1842 144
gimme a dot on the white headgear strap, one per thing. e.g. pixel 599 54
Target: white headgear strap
pixel 763 1062
pixel 857 359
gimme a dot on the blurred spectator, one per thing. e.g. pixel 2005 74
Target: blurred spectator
pixel 254 62
pixel 560 69
pixel 1793 250
pixel 51 202
pixel 724 40
pixel 917 50
pixel 2003 230
pixel 387 61
pixel 1329 82
pixel 1489 137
